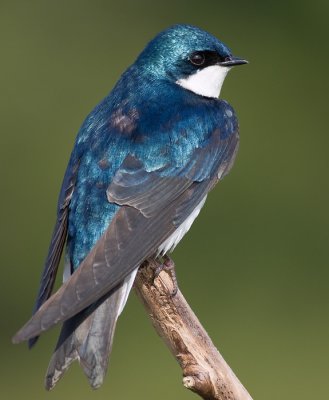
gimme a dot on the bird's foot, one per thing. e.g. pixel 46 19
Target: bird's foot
pixel 168 265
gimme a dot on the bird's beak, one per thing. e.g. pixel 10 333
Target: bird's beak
pixel 232 61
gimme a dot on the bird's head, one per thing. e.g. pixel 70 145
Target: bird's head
pixel 190 57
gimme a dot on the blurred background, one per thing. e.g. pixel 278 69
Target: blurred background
pixel 254 266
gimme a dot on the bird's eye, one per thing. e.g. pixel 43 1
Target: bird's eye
pixel 197 58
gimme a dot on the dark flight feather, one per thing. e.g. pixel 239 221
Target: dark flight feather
pixel 88 336
pixel 57 241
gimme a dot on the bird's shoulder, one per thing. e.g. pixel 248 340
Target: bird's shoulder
pixel 153 121
pixel 166 132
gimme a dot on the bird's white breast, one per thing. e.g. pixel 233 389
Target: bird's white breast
pixel 206 82
pixel 125 290
pixel 169 244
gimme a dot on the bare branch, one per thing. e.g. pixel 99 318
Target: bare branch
pixel 205 371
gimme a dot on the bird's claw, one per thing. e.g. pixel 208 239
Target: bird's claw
pixel 167 265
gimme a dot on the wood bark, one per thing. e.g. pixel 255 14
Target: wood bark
pixel 205 371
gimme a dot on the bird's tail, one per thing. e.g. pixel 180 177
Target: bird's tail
pixel 88 338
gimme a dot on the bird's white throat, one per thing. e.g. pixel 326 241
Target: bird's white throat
pixel 206 82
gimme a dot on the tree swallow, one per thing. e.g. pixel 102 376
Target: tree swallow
pixel 143 163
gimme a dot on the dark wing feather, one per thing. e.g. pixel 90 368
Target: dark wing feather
pixel 149 192
pixel 136 231
pixel 56 246
pixel 130 239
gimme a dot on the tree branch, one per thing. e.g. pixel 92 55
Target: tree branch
pixel 205 371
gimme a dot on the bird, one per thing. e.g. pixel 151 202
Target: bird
pixel 142 165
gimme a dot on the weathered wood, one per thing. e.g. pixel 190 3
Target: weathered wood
pixel 205 371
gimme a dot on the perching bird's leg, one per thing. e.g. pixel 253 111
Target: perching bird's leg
pixel 167 265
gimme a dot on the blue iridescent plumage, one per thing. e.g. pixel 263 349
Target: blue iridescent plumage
pixel 143 162
pixel 160 142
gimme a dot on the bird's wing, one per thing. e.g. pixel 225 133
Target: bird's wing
pixel 153 205
pixel 57 241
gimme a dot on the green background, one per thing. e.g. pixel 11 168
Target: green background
pixel 254 267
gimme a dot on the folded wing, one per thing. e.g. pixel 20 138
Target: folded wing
pixel 153 205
